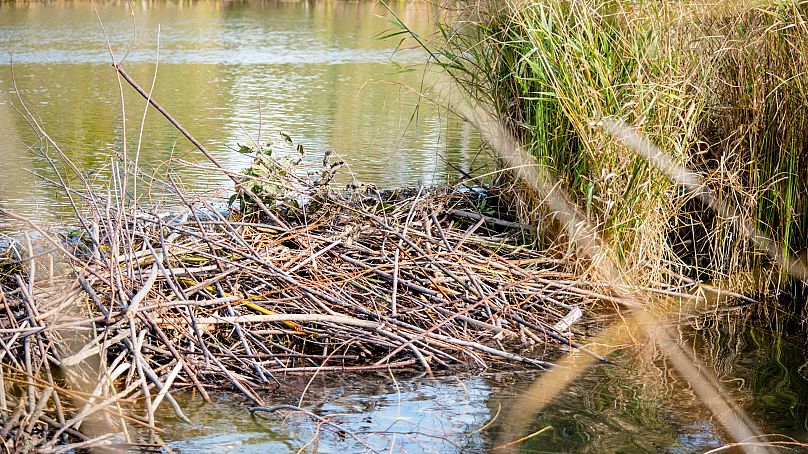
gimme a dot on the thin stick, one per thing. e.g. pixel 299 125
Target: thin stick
pixel 197 144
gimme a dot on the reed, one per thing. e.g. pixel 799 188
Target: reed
pixel 719 89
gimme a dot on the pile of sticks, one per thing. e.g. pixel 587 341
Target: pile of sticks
pixel 208 297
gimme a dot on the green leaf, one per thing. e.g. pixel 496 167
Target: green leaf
pixel 244 149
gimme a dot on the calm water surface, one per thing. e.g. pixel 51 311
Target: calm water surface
pixel 232 73
pixel 638 406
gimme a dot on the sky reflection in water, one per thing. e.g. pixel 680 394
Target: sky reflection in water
pixel 637 407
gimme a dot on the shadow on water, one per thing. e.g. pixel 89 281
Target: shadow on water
pixel 638 406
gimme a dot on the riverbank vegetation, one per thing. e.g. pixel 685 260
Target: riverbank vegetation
pixel 661 142
pixel 719 89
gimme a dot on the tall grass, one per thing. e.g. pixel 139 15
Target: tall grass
pixel 720 89
pixel 754 128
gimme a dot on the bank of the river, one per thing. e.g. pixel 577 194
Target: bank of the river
pixel 662 142
pixel 675 131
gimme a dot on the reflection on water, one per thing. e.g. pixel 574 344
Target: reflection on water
pixel 231 72
pixel 445 414
pixel 640 406
pixel 644 406
pixel 409 415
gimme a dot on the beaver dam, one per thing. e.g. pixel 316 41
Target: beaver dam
pixel 105 322
pixel 209 298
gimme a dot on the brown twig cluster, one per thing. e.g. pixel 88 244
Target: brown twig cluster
pixel 210 297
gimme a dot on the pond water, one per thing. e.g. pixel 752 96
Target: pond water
pixel 639 405
pixel 232 73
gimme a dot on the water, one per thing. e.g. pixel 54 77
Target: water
pixel 228 70
pixel 232 73
pixel 638 406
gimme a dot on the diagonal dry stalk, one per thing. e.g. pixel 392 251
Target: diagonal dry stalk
pixel 590 245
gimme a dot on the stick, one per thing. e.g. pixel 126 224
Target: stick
pixel 198 145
